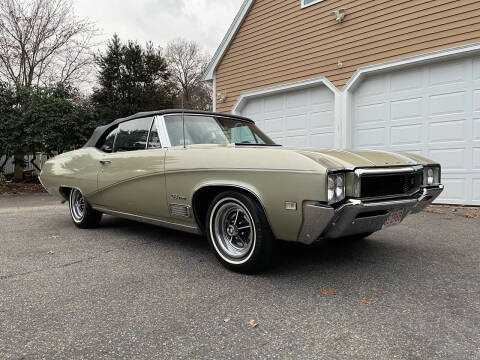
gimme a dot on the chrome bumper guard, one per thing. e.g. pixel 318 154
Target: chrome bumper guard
pixel 357 216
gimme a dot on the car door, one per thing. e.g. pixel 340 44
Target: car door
pixel 131 179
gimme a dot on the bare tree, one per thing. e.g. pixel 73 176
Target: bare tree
pixel 187 64
pixel 43 42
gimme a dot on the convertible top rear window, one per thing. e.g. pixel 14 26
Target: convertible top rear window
pixel 201 129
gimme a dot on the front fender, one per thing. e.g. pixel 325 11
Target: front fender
pixel 271 188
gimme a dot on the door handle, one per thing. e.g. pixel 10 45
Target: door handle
pixel 105 162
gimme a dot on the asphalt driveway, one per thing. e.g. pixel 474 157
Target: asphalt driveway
pixel 128 290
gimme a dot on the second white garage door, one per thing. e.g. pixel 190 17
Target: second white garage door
pixel 432 110
pixel 300 118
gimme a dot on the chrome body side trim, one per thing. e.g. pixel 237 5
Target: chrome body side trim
pixel 152 221
pixel 356 216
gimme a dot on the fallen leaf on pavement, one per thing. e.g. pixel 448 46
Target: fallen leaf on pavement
pixel 366 302
pixel 226 319
pixel 472 216
pixel 329 292
pixel 51 252
pixel 252 323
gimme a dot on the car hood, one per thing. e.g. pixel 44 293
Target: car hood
pixel 360 158
pixel 279 157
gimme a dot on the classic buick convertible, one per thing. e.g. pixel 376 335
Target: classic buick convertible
pixel 219 175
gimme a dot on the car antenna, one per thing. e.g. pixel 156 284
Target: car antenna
pixel 183 121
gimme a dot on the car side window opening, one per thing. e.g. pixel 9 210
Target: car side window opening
pixel 201 129
pixel 154 138
pixel 133 135
pixel 106 144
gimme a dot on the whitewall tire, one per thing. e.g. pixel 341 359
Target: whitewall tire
pixel 83 215
pixel 239 233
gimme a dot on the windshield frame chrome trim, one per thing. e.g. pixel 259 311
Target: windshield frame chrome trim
pixel 162 131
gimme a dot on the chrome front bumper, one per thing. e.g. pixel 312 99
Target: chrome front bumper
pixel 357 216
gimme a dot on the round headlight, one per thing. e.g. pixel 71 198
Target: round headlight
pixel 331 183
pixel 430 176
pixel 339 187
pixel 331 188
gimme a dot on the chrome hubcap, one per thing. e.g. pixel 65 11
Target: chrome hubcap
pixel 77 203
pixel 233 230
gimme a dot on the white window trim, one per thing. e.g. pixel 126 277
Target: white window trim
pixel 232 31
pixel 303 5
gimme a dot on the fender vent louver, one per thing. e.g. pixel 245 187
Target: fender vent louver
pixel 180 210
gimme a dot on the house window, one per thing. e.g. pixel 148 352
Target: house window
pixel 306 3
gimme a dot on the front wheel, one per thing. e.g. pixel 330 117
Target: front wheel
pixel 239 233
pixel 83 215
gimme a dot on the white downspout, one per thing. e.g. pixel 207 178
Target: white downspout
pixel 214 92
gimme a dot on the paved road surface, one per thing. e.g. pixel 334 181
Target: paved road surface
pixel 129 290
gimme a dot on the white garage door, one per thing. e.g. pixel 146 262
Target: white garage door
pixel 300 118
pixel 432 110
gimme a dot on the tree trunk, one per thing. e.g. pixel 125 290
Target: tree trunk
pixel 19 164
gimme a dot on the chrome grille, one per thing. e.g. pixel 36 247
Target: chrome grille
pixel 388 182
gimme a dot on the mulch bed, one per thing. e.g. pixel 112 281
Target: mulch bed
pixel 471 212
pixel 11 188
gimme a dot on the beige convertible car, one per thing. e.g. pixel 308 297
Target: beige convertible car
pixel 219 175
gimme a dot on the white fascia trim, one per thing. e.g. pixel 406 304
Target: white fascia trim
pixel 302 3
pixel 214 92
pixel 282 88
pixel 441 54
pixel 227 39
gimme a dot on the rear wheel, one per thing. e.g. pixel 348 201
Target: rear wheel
pixel 83 215
pixel 239 233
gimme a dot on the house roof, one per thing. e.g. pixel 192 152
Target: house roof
pixel 227 39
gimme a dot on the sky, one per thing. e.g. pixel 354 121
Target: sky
pixel 160 21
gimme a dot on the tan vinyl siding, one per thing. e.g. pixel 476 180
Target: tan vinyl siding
pixel 280 43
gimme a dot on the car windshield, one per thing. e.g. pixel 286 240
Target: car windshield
pixel 201 129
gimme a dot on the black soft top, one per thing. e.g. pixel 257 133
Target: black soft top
pixel 101 130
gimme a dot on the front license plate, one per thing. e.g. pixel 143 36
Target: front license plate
pixel 395 217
